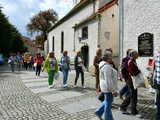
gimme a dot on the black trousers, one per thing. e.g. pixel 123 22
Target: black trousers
pixel 38 70
pixel 26 65
pixel 131 98
pixel 79 70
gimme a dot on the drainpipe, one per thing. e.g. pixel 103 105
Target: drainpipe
pixel 121 28
pixel 94 6
pixel 99 30
pixel 74 42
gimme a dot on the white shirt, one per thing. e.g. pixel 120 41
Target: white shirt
pixel 52 62
pixel 80 62
pixel 108 78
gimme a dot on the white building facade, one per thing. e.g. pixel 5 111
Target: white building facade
pixel 142 29
pixel 90 25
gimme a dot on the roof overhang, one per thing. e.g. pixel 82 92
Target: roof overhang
pixel 94 16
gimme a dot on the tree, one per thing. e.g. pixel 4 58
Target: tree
pixel 10 38
pixel 39 41
pixel 42 22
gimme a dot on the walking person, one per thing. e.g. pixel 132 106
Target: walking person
pixel 65 67
pixel 132 93
pixel 38 64
pixel 19 61
pixel 125 73
pixel 156 82
pixel 26 60
pixel 97 60
pixel 78 62
pixel 108 86
pixel 11 62
pixel 51 66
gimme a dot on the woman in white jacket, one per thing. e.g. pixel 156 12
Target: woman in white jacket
pixel 108 85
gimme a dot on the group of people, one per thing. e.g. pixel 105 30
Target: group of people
pixel 52 66
pixel 106 77
pixel 106 82
pixel 19 62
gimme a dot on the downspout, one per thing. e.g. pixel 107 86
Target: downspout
pixel 121 28
pixel 94 6
pixel 74 42
pixel 99 30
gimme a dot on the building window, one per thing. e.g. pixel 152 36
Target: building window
pixel 84 33
pixel 53 43
pixel 62 42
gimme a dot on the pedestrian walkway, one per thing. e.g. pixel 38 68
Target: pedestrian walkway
pixel 25 97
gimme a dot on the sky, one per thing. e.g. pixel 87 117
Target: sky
pixel 19 12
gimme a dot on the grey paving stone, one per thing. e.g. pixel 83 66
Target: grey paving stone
pixel 36 84
pixel 41 90
pixel 86 104
pixel 60 96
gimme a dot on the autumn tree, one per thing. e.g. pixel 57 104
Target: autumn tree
pixel 41 23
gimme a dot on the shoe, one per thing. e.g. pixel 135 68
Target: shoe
pixel 134 112
pixel 51 86
pixel 124 111
pixel 83 86
pixel 100 118
pixel 65 86
pixel 74 86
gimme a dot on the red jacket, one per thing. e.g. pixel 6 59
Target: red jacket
pixel 132 67
pixel 38 60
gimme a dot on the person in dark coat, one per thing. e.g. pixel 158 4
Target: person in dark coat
pixel 97 60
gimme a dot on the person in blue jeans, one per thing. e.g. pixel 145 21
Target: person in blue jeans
pixel 108 86
pixel 65 67
pixel 123 91
pixel 125 74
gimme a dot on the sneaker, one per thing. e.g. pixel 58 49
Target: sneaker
pixel 50 86
pixel 83 86
pixel 64 86
pixel 74 86
pixel 100 118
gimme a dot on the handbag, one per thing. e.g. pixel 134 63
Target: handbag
pixel 35 64
pixel 56 75
pixel 138 80
pixel 101 97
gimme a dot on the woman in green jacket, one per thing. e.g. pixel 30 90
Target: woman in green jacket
pixel 51 66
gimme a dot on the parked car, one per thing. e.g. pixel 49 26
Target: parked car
pixel 1 59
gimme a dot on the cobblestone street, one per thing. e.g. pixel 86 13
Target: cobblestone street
pixel 25 97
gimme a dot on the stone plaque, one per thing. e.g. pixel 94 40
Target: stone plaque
pixel 145 45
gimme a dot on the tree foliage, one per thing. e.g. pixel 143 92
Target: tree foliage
pixel 10 38
pixel 42 22
pixel 39 41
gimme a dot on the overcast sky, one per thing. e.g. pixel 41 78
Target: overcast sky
pixel 19 12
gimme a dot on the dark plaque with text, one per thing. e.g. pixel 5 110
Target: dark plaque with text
pixel 145 45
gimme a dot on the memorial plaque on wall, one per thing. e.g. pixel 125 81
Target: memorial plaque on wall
pixel 145 45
